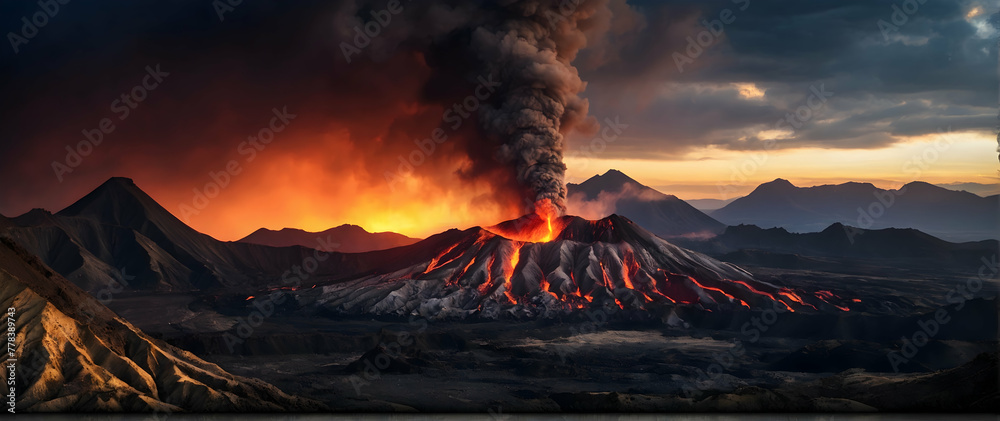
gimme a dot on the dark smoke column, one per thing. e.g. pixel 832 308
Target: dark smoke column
pixel 530 51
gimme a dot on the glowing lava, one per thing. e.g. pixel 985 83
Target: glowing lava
pixel 541 227
pixel 515 257
pixel 548 223
pixel 544 262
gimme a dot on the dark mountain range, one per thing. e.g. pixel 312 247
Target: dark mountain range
pixel 345 238
pixel 662 214
pixel 947 214
pixel 77 355
pixel 908 247
pixel 118 232
pixel 974 188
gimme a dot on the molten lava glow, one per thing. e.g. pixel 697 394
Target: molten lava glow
pixel 647 285
pixel 825 294
pixel 249 298
pixel 544 285
pixel 484 288
pixel 541 227
pixel 515 257
pixel 548 235
pixel 794 297
pixel 629 264
pixel 434 264
pixel 731 298
pixel 459 274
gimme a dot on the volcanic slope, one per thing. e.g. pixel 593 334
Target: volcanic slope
pixel 76 355
pixel 533 267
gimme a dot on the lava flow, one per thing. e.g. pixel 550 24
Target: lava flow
pixel 542 226
pixel 543 265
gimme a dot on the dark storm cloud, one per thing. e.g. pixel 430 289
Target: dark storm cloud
pixel 935 71
pixel 226 70
pixel 226 75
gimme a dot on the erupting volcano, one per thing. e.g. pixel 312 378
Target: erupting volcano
pixel 545 265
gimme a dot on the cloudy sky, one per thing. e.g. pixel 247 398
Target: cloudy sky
pixel 702 99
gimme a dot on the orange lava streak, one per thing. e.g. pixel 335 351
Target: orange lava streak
pixel 795 297
pixel 825 295
pixel 455 279
pixel 434 262
pixel 610 286
pixel 731 298
pixel 625 269
pixel 488 282
pixel 759 292
pixel 752 289
pixel 542 227
pixel 510 272
pixel 549 235
pixel 663 295
pixel 249 298
pixel 544 285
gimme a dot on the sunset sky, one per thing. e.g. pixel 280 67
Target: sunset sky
pixel 912 101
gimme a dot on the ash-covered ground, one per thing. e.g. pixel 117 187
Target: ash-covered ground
pixel 679 359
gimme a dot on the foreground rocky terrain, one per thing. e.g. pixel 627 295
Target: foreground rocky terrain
pixel 76 355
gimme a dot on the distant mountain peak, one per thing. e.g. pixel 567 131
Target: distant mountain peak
pixel 124 180
pixel 616 192
pixel 116 193
pixel 779 185
pixel 120 202
pixel 351 238
pixel 779 182
pixel 618 176
pixel 36 211
pixel 612 181
pixel 927 187
pixel 36 216
pixel 339 228
pixel 918 205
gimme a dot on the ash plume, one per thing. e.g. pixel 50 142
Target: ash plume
pixel 358 116
pixel 527 47
pixel 532 52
